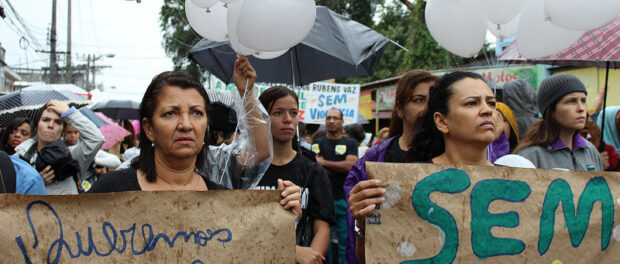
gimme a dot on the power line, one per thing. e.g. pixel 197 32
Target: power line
pixel 23 24
pixel 92 16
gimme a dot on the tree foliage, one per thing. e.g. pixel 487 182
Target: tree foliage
pixel 179 37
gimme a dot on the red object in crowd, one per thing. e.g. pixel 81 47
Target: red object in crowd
pixel 613 156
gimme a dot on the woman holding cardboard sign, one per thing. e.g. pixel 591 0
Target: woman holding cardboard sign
pixel 554 142
pixel 289 163
pixel 411 100
pixel 173 154
pixel 456 129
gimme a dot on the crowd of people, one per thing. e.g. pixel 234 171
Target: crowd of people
pixel 453 119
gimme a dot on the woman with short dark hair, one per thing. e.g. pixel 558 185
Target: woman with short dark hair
pixel 173 154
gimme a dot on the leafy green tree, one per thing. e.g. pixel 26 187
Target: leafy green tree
pixel 361 11
pixel 404 23
pixel 179 37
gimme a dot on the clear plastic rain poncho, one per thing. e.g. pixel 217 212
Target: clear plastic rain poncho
pixel 239 165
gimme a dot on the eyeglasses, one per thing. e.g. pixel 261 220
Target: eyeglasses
pixel 335 118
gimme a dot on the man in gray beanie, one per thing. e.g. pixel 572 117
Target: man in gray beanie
pixel 554 87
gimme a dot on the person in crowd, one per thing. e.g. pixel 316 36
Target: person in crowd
pixel 554 142
pixel 411 100
pixel 316 135
pixel 303 136
pixel 507 133
pixel 611 131
pixel 356 131
pixel 337 154
pixel 456 128
pixel 290 164
pixel 17 176
pixel 17 131
pixel 49 127
pixel 173 154
pixel 130 141
pixel 72 135
pixel 383 134
pixel 609 156
pixel 520 96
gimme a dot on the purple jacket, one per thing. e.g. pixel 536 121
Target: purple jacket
pixel 358 174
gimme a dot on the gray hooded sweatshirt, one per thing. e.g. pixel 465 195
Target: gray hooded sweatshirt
pixel 520 96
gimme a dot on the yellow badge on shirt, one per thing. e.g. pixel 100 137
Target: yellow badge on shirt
pixel 86 186
pixel 315 148
pixel 341 149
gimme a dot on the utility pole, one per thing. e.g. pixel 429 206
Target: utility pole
pixel 95 58
pixel 88 73
pixel 69 68
pixel 53 68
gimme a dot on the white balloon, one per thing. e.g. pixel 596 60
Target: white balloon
pixel 205 3
pixel 537 37
pixel 501 11
pixel 581 14
pixel 273 25
pixel 230 1
pixel 210 25
pixel 504 31
pixel 456 25
pixel 233 16
pixel 266 55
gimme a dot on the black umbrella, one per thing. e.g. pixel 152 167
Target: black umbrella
pixel 223 116
pixel 27 103
pixel 118 109
pixel 335 47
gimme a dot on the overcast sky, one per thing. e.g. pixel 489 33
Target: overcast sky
pixel 124 28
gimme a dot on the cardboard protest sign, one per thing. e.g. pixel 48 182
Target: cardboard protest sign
pixel 464 214
pixel 147 227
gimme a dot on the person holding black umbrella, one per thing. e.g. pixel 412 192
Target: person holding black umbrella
pixel 59 167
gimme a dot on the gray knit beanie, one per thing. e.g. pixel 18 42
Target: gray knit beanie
pixel 556 86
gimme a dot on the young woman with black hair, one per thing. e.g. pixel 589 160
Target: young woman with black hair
pixel 289 164
pixel 412 95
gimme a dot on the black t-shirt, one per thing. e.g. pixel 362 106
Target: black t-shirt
pixel 336 150
pixel 314 184
pixel 127 180
pixel 394 153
